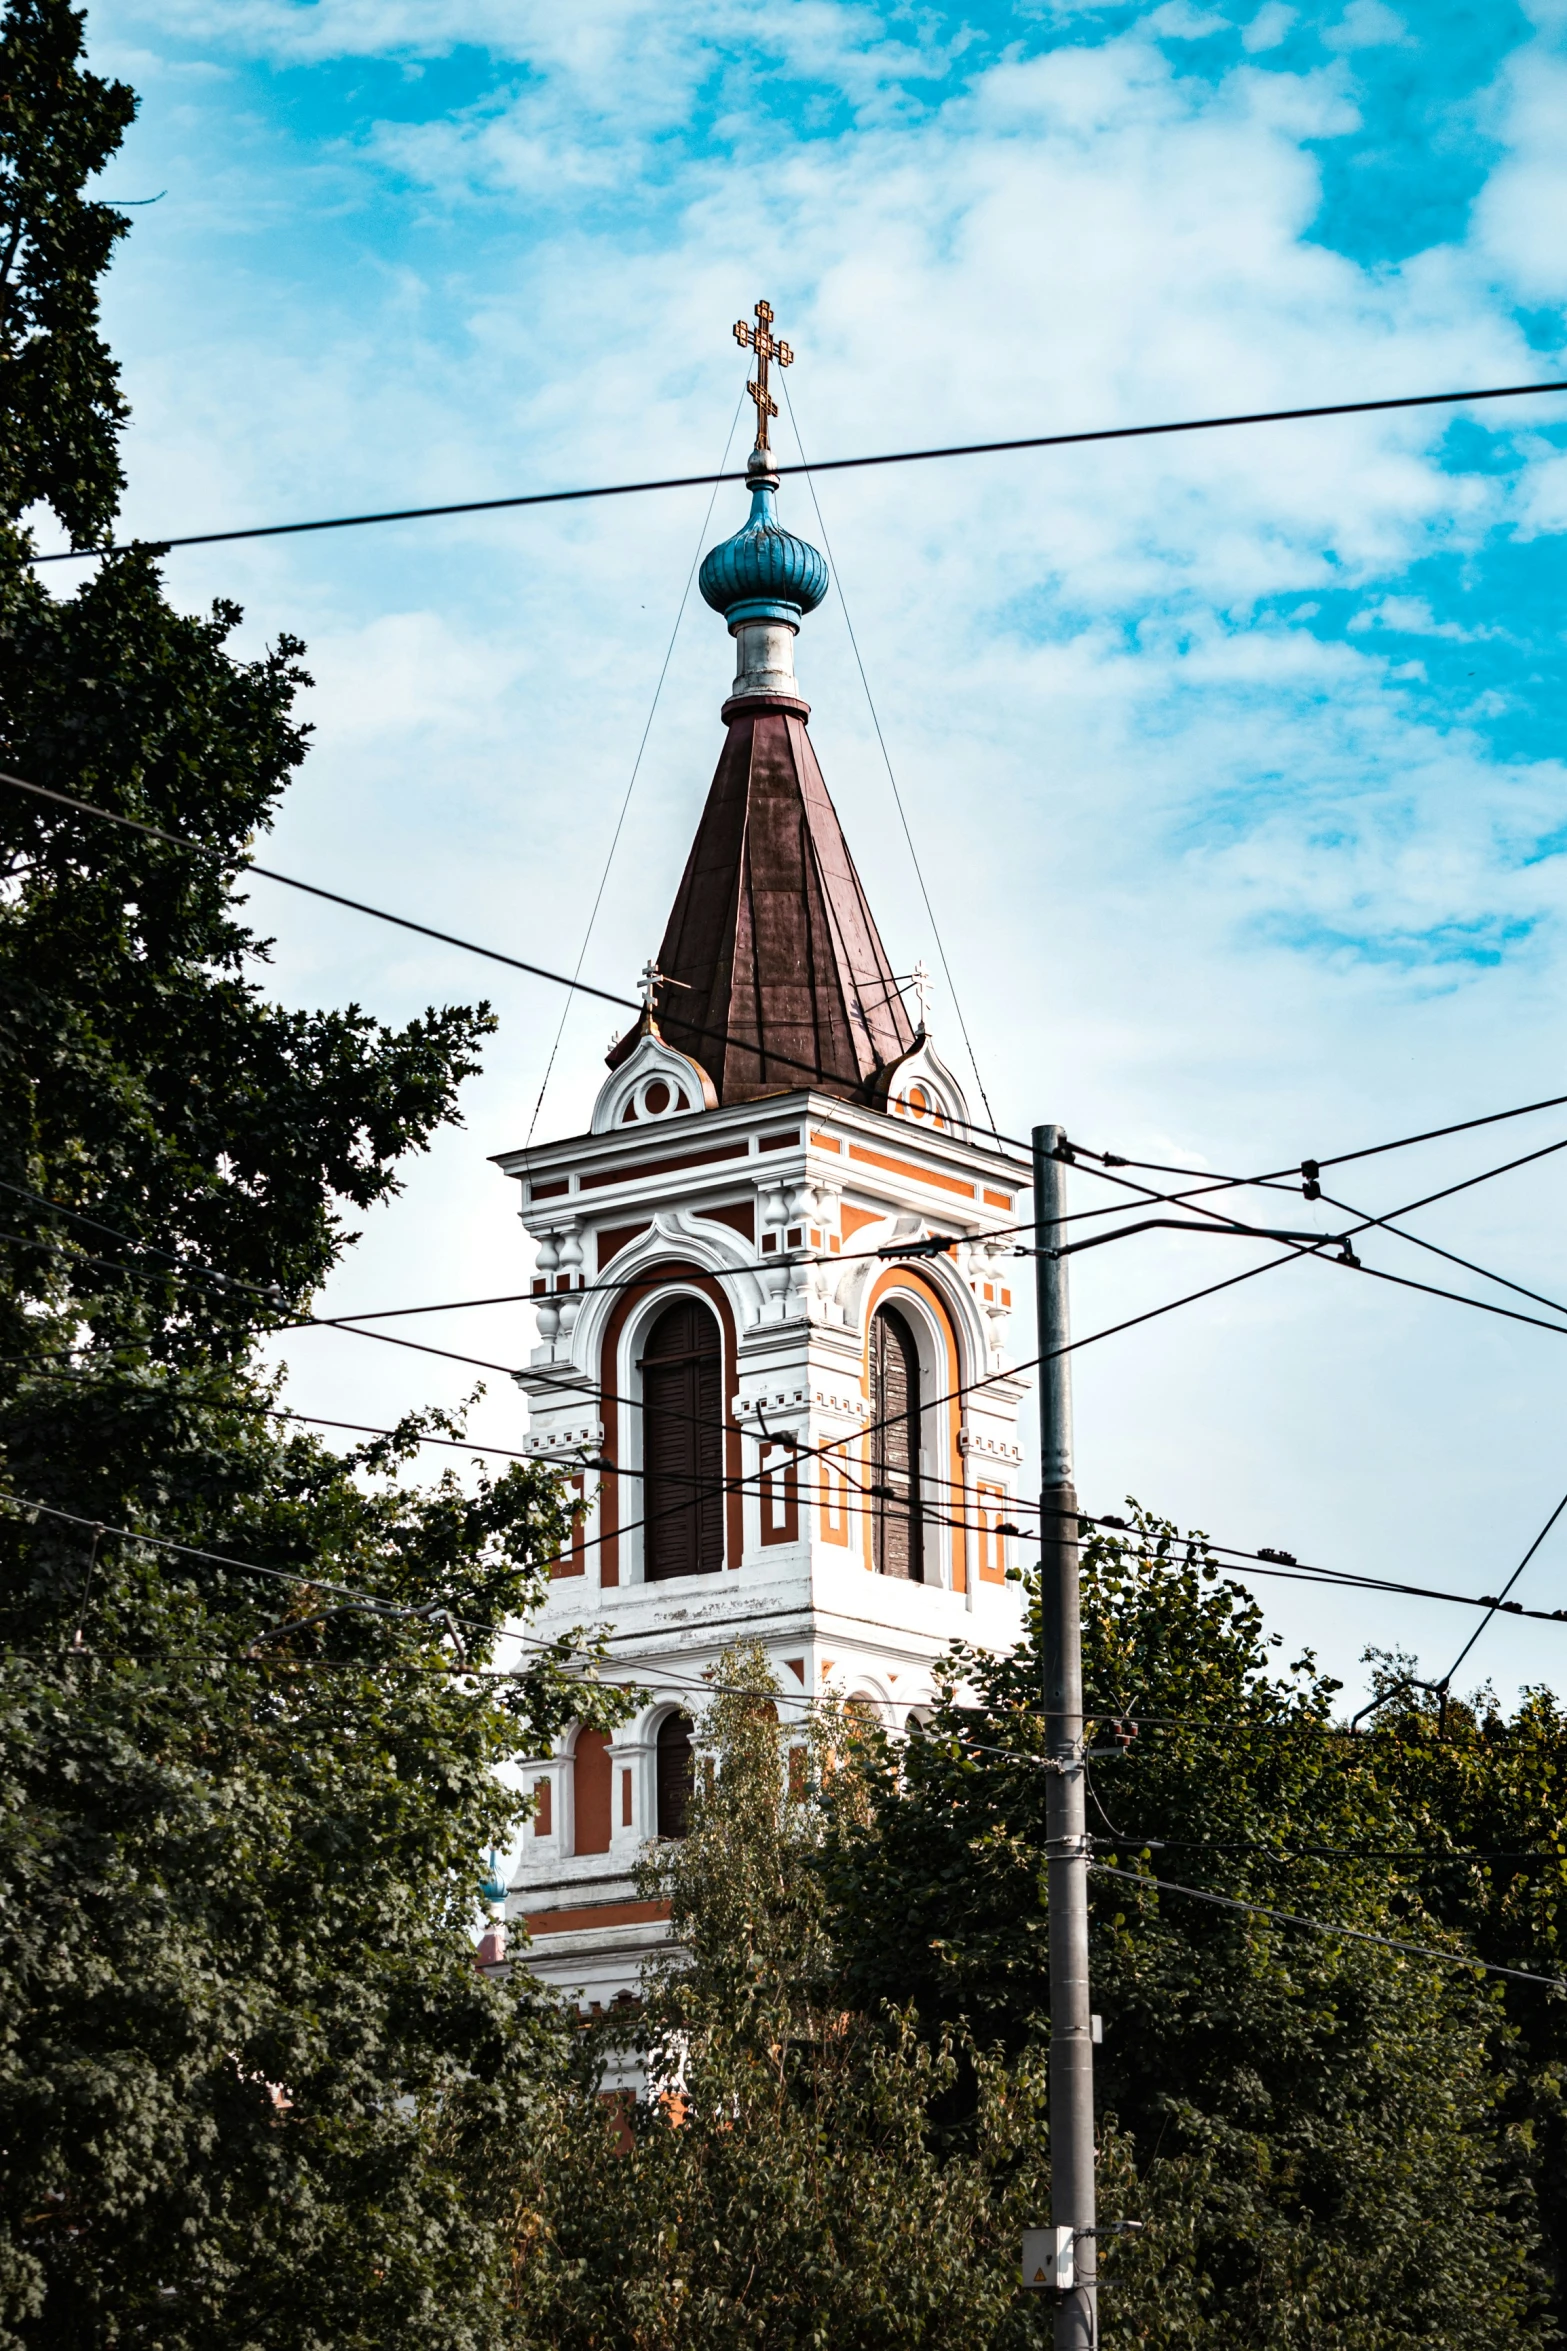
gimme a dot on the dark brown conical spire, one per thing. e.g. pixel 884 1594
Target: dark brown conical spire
pixel 772 965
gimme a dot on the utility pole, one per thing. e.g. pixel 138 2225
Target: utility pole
pixel 1066 1850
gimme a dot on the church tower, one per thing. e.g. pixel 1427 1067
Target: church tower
pixel 767 1281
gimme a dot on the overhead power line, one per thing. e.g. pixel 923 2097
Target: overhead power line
pixel 1500 1600
pixel 702 481
pixel 1434 1855
pixel 835 1446
pixel 584 1383
pixel 631 781
pixel 380 1604
pixel 886 757
pixel 1093 1162
pixel 424 930
pixel 1233 1558
pixel 1322 1926
pixel 1208 1179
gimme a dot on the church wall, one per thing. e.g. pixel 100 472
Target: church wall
pixel 714 1207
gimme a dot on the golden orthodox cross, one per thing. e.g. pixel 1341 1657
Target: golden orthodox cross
pixel 767 346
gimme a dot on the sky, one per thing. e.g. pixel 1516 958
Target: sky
pixel 1234 762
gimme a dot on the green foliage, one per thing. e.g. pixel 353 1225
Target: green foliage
pixel 802 2175
pixel 1469 1780
pixel 251 1712
pixel 1317 2132
pixel 59 391
pixel 246 2062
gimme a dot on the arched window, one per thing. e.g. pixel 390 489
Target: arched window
pixel 674 1775
pixel 591 1772
pixel 682 1443
pixel 895 1446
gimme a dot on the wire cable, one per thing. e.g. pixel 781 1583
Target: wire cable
pixel 1319 1926
pixel 1259 1563
pixel 424 930
pixel 1425 1853
pixel 831 1446
pixel 315 1582
pixel 1435 1249
pixel 1462 1126
pixel 631 781
pixel 1380 1273
pixel 378 1604
pixel 700 481
pixel 1501 1596
pixel 886 756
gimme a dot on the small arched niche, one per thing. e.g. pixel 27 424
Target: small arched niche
pixel 591 1777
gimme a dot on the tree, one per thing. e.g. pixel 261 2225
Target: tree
pixel 1315 2131
pixel 59 389
pixel 1472 1781
pixel 248 1729
pixel 798 2174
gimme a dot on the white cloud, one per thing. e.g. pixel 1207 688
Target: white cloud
pixel 1178 20
pixel 1269 26
pixel 1542 505
pixel 1413 616
pixel 1365 24
pixel 1521 214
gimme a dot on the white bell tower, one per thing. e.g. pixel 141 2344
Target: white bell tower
pixel 773 1291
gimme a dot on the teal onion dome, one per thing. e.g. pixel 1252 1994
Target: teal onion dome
pixel 764 572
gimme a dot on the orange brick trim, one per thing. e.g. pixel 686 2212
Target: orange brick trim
pixel 632 1169
pixel 594 1914
pixel 904 1167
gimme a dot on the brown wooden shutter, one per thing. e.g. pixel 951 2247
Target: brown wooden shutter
pixel 895 1446
pixel 674 1775
pixel 683 1443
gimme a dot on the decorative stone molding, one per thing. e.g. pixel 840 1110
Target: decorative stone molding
pixel 654 1082
pixel 923 1090
pixel 983 1446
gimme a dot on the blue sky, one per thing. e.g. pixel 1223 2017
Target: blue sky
pixel 1236 763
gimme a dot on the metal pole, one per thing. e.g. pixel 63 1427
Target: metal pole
pixel 1066 1850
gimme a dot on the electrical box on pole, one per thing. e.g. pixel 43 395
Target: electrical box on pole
pixel 1047 2260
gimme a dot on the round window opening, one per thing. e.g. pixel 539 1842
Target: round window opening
pixel 656 1098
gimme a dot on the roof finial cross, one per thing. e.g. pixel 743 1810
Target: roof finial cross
pixel 651 981
pixel 921 978
pixel 767 346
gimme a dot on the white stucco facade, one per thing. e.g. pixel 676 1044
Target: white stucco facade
pixel 774 1213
